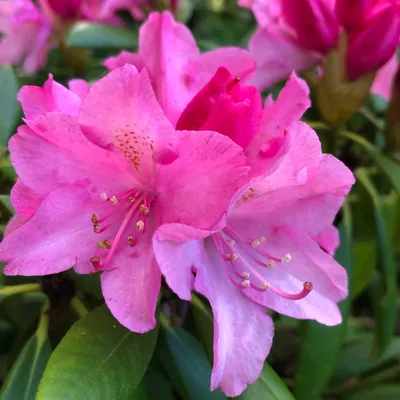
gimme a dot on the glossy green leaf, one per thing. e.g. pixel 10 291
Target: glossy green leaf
pixel 161 390
pixel 386 303
pixel 25 375
pixel 268 386
pixel 320 344
pixel 355 357
pixel 186 363
pixel 97 359
pixel 90 35
pixel 9 106
pixel 386 164
pixel 203 320
pixel 381 392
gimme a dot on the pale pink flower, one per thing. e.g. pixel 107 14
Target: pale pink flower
pixel 169 52
pixel 266 252
pixel 295 35
pixel 93 189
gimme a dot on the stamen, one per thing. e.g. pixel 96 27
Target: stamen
pixel 255 243
pixel 286 258
pixel 231 256
pixel 114 200
pixel 270 263
pixel 104 196
pixel 107 244
pixel 245 275
pixel 307 288
pixel 132 241
pixel 246 283
pixel 262 239
pixel 139 226
pixel 95 219
pixel 132 199
pixel 96 262
pixel 143 209
pixel 96 228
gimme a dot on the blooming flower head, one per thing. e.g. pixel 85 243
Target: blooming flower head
pixel 177 71
pixel 268 251
pixel 295 35
pixel 92 189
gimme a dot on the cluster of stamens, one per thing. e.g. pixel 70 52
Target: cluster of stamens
pixel 125 208
pixel 242 256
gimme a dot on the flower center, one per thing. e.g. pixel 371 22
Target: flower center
pixel 240 256
pixel 133 205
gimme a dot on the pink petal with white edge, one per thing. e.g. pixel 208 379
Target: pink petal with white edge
pixel 130 288
pixel 52 97
pixel 197 187
pixel 329 239
pixel 384 79
pixel 58 237
pixel 55 152
pixel 243 330
pixel 122 113
pixel 277 57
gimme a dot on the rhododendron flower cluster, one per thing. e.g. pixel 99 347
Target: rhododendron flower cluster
pixel 295 35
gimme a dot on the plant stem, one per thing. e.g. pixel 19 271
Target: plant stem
pixel 17 289
pixel 78 306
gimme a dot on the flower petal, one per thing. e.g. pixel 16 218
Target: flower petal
pixel 58 237
pixel 130 288
pixel 329 239
pixel 384 80
pixel 277 57
pixel 243 331
pixel 197 187
pixel 54 152
pixel 137 127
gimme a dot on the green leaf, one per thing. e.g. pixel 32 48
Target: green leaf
pixel 163 389
pixel 268 386
pixel 24 377
pixel 320 344
pixel 355 357
pixel 6 291
pixel 365 258
pixel 5 201
pixel 203 320
pixel 186 364
pixel 9 106
pixel 97 359
pixel 386 303
pixel 386 164
pixel 381 392
pixel 85 34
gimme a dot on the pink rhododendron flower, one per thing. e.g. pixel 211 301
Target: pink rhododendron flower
pixel 266 252
pixel 93 189
pixel 26 35
pixel 295 35
pixel 384 80
pixel 169 52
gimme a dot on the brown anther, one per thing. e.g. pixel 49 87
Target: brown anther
pixel 265 286
pixel 95 219
pixel 139 226
pixel 143 209
pixel 308 286
pixel 96 228
pixel 132 199
pixel 237 78
pixel 95 260
pixel 114 200
pixel 232 256
pixel 107 244
pixel 130 240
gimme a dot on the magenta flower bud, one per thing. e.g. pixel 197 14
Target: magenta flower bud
pixel 226 106
pixel 314 22
pixel 66 9
pixel 352 13
pixel 373 45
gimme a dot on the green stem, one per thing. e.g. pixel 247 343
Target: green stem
pixel 78 306
pixel 368 115
pixel 17 289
